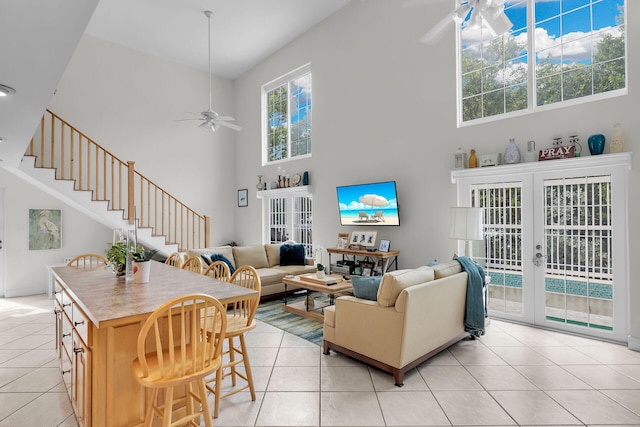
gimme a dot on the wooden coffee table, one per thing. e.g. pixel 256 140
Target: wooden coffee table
pixel 302 308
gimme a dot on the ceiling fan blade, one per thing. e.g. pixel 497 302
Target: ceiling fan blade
pixel 230 125
pixel 433 34
pixel 189 120
pixel 227 118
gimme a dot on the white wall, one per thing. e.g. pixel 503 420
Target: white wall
pixel 129 103
pixel 25 270
pixel 384 108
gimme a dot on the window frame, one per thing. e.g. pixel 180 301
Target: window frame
pixel 532 106
pixel 285 79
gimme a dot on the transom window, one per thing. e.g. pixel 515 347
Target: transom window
pixel 287 116
pixel 580 53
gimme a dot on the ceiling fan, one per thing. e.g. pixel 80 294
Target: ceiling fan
pixel 489 11
pixel 210 119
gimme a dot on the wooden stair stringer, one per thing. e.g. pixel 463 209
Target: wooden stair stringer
pixel 82 200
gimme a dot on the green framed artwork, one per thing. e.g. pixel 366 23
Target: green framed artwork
pixel 45 229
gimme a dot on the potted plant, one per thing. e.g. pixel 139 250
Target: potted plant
pixel 117 258
pixel 320 272
pixel 141 263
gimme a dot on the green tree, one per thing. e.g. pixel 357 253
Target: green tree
pixel 277 123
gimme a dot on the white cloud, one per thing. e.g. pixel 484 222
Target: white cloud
pixel 575 46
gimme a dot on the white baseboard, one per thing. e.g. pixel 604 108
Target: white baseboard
pixel 23 292
pixel 633 343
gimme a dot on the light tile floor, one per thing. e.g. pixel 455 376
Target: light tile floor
pixel 514 375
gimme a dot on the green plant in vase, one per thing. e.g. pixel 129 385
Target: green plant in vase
pixel 320 272
pixel 117 258
pixel 140 254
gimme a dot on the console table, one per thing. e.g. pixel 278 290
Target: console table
pixel 389 258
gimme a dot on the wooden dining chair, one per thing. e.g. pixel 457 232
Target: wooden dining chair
pixel 174 260
pixel 173 353
pixel 194 264
pixel 218 270
pixel 240 319
pixel 87 260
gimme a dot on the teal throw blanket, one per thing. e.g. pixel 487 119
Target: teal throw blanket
pixel 475 312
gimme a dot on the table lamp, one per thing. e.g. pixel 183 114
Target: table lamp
pixel 467 225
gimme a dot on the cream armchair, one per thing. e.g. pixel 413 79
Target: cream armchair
pixel 417 314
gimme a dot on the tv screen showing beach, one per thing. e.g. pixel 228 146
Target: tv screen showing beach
pixel 369 204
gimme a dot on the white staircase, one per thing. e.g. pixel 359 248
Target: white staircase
pixel 82 200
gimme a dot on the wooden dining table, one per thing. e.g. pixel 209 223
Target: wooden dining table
pixel 103 315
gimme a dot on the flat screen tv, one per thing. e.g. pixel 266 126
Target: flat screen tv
pixel 369 204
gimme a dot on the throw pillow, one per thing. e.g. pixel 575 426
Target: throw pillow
pixel 206 259
pixel 218 257
pixel 366 287
pixel 292 254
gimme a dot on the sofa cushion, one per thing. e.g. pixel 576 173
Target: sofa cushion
pixel 292 254
pixel 225 251
pixel 273 253
pixel 297 269
pixel 366 287
pixel 254 256
pixel 270 276
pixel 206 259
pixel 218 257
pixel 446 269
pixel 394 282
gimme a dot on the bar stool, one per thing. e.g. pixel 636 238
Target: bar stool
pixel 182 354
pixel 240 319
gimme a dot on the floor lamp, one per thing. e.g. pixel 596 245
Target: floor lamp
pixel 467 225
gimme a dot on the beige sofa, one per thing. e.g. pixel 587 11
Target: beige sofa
pixel 417 314
pixel 264 258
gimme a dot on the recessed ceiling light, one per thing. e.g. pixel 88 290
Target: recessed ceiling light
pixel 6 90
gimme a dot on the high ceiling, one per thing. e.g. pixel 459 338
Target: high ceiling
pixel 38 37
pixel 244 32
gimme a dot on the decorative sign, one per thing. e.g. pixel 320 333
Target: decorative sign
pixel 556 153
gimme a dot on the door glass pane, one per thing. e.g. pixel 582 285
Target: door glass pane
pixel 278 220
pixel 501 255
pixel 302 222
pixel 578 235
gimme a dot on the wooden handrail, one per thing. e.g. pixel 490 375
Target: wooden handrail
pixel 73 159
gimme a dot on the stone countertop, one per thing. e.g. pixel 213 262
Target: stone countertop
pixel 105 300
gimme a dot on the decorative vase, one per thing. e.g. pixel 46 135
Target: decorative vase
pixel 512 153
pixel 260 184
pixel 473 159
pixel 596 144
pixel 617 140
pixel 141 271
pixel 320 274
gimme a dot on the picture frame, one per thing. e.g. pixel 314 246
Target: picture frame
pixel 365 239
pixel 384 245
pixel 243 198
pixel 45 229
pixel 379 268
pixel 343 241
pixel 367 268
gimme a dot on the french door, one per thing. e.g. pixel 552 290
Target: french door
pixel 287 215
pixel 555 243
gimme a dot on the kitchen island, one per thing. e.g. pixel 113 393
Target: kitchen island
pixel 97 326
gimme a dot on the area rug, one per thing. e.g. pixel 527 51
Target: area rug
pixel 271 312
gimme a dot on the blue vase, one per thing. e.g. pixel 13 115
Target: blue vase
pixel 596 144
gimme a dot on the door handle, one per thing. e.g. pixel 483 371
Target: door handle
pixel 539 257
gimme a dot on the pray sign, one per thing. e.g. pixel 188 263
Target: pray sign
pixel 556 153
